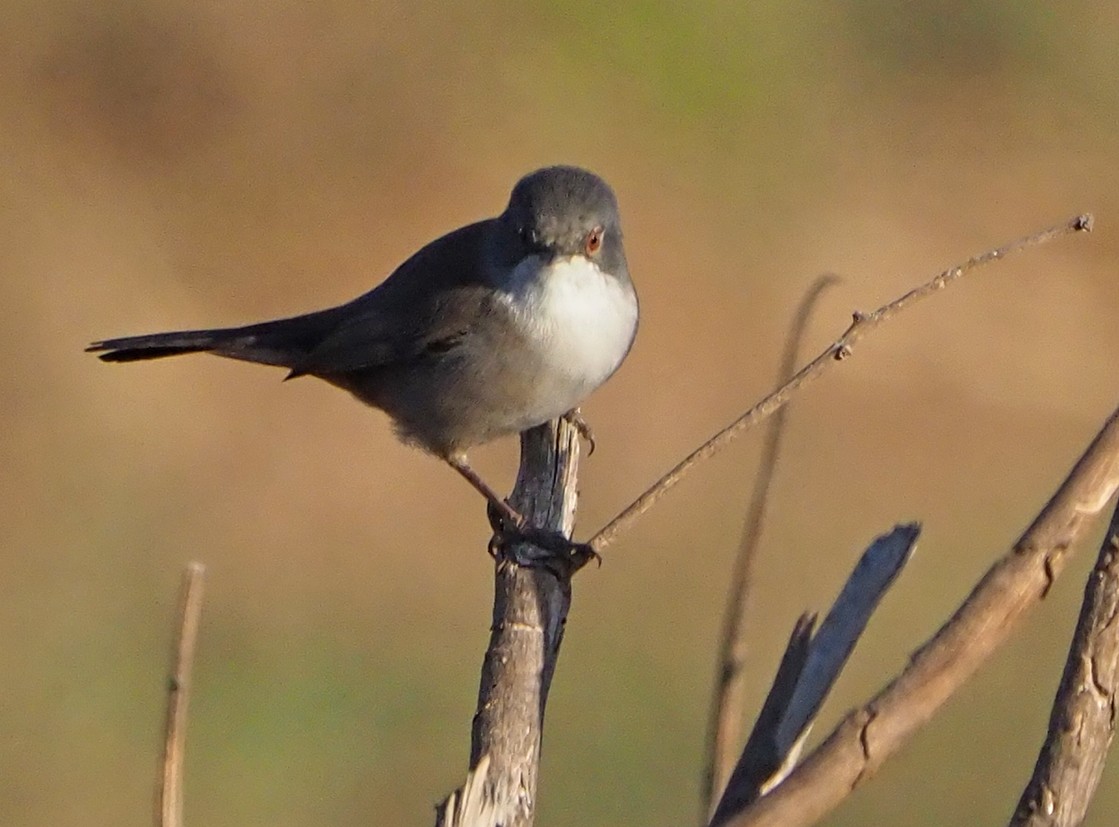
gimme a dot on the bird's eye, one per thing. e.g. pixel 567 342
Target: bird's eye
pixel 594 240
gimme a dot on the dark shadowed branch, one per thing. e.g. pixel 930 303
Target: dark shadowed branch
pixel 760 762
pixel 869 735
pixel 1082 722
pixel 839 350
pixel 169 784
pixel 724 729
pixel 809 669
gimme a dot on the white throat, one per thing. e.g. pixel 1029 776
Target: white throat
pixel 581 320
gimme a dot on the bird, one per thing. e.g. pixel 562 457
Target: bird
pixel 489 330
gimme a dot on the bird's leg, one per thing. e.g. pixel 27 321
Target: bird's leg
pixel 497 504
pixel 508 525
pixel 575 417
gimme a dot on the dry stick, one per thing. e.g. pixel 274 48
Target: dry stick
pixel 839 350
pixel 725 725
pixel 867 736
pixel 792 704
pixel 169 784
pixel 1082 722
pixel 532 596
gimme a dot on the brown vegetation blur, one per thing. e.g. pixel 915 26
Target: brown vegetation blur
pixel 169 164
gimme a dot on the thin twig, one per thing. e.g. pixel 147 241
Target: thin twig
pixel 725 725
pixel 1020 580
pixel 1082 723
pixel 169 783
pixel 839 350
pixel 788 716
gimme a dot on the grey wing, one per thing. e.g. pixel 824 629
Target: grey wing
pixel 427 304
pixel 372 337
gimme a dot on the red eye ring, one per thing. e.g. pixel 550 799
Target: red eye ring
pixel 594 240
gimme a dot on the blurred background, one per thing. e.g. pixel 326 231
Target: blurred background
pixel 172 164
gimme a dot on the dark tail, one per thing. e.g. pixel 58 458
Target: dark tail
pixel 134 348
pixel 284 342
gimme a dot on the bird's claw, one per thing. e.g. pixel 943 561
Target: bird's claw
pixel 575 417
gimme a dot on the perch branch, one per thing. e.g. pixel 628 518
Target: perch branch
pixel 1082 722
pixel 725 725
pixel 791 707
pixel 532 596
pixel 169 784
pixel 839 350
pixel 867 736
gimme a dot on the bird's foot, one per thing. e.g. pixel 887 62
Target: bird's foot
pixel 528 545
pixel 575 417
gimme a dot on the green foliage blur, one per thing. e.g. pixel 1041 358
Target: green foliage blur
pixel 170 164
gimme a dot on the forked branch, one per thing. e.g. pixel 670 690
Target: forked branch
pixel 533 592
pixel 869 735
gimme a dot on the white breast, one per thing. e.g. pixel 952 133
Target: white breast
pixel 581 321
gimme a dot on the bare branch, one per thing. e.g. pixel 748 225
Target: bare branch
pixel 867 736
pixel 169 784
pixel 795 699
pixel 725 725
pixel 532 596
pixel 1082 722
pixel 836 352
